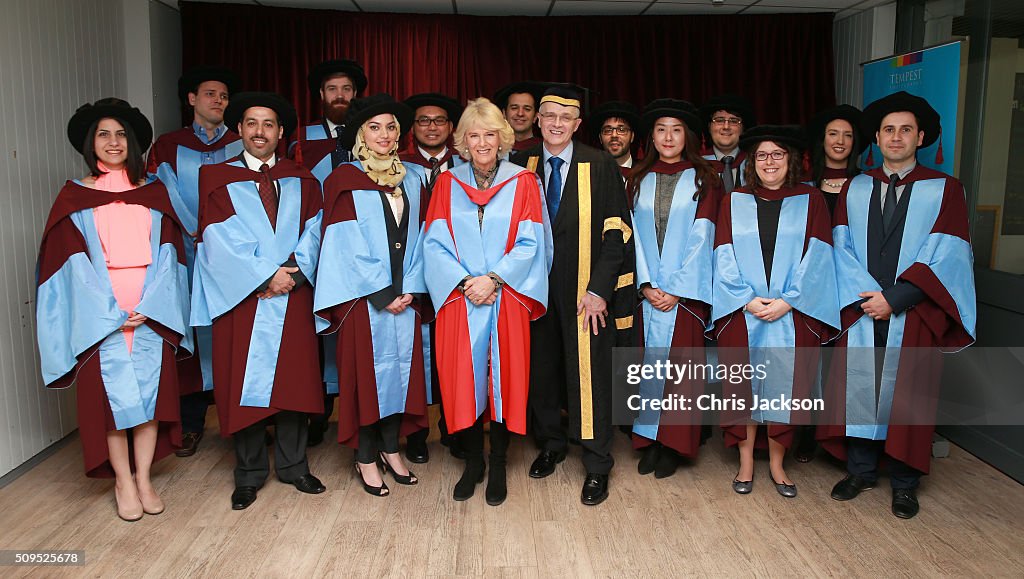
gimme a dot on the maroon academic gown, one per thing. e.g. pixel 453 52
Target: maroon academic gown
pixel 61 240
pixel 682 434
pixel 731 333
pixel 165 150
pixel 297 383
pixel 931 326
pixel 357 381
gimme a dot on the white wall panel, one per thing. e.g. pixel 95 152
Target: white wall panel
pixel 54 56
pixel 864 36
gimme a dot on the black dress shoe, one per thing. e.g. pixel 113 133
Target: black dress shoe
pixel 308 484
pixel 189 444
pixel 850 487
pixel 416 450
pixel 243 497
pixel 904 503
pixel 668 462
pixel 595 489
pixel 649 459
pixel 545 463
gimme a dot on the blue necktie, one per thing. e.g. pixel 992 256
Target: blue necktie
pixel 554 191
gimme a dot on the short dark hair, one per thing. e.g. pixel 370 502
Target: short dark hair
pixel 134 165
pixel 794 166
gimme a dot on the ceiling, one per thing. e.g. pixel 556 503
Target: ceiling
pixel 843 8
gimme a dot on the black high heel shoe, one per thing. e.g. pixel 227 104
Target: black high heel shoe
pixel 408 479
pixel 381 491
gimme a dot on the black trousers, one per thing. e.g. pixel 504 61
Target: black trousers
pixel 381 436
pixel 193 411
pixel 862 457
pixel 252 457
pixel 554 373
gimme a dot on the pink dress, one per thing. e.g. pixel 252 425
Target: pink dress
pixel 124 232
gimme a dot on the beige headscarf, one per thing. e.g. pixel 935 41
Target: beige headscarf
pixel 384 170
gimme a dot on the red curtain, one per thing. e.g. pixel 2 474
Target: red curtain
pixel 782 63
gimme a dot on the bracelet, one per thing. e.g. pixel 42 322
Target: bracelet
pixel 497 280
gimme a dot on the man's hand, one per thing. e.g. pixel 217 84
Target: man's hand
pixel 660 300
pixel 399 304
pixel 594 310
pixel 480 289
pixel 876 306
pixel 134 320
pixel 280 284
pixel 773 310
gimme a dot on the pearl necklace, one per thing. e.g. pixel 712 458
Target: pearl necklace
pixel 833 184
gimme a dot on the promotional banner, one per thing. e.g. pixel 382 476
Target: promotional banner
pixel 932 74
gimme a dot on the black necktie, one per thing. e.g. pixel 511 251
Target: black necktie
pixel 727 180
pixel 889 203
pixel 435 168
pixel 340 154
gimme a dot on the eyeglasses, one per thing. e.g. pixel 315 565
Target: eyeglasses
pixel 436 121
pixel 620 130
pixel 778 155
pixel 734 121
pixel 550 118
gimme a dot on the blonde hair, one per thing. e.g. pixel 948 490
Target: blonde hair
pixel 482 113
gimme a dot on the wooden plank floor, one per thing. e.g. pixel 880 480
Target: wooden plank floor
pixel 689 525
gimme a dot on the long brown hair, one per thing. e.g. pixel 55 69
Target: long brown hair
pixel 706 176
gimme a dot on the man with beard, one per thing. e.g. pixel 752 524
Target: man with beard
pixel 519 103
pixel 176 158
pixel 338 82
pixel 612 124
pixel 319 149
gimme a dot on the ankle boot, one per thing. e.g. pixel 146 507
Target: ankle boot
pixel 497 488
pixel 472 440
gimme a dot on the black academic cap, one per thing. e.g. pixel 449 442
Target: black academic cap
pixel 112 108
pixel 425 99
pixel 195 76
pixel 327 68
pixel 364 109
pixel 245 100
pixel 675 108
pixel 927 117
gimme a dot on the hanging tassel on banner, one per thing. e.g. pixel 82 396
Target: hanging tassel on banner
pixel 871 157
pixel 939 158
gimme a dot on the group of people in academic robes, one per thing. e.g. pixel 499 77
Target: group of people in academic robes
pixel 494 271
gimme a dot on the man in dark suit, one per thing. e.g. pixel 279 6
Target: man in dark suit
pixel 571 346
pixel 906 289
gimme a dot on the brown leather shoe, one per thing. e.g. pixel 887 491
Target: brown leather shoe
pixel 189 444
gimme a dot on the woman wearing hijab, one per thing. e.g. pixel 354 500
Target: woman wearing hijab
pixel 367 282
